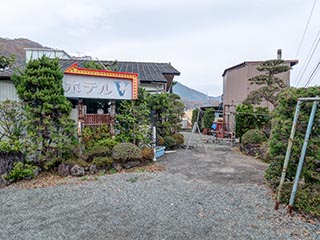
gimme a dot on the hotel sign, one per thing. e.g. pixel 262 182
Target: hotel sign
pixel 89 83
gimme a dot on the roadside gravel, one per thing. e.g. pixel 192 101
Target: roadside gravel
pixel 158 205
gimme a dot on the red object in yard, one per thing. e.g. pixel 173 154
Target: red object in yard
pixel 205 131
pixel 220 130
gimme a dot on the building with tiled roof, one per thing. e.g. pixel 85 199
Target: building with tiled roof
pixel 154 77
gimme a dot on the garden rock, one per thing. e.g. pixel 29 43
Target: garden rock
pixel 7 160
pixel 117 166
pixel 253 150
pixel 131 164
pixel 36 171
pixel 2 180
pixel 77 171
pixel 93 169
pixel 64 170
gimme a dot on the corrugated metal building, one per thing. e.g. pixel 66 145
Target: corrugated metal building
pixel 236 87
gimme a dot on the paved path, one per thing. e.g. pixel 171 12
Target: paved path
pixel 219 164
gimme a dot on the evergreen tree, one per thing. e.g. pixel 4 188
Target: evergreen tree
pixel 134 120
pixel 272 85
pixel 6 62
pixel 47 110
pixel 168 110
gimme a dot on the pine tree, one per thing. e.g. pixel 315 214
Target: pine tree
pixel 7 62
pixel 272 85
pixel 47 110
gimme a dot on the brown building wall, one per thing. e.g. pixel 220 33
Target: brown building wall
pixel 236 88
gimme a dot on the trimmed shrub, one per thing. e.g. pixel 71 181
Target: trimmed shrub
pixel 78 162
pixel 97 151
pixel 107 142
pixel 179 139
pixel 281 128
pixel 170 143
pixel 248 117
pixel 102 162
pixel 101 148
pixel 90 136
pixel 147 154
pixel 126 152
pixel 21 171
pixel 253 136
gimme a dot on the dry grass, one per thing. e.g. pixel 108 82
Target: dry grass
pixel 45 179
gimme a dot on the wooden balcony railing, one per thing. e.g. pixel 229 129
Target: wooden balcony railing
pixel 97 119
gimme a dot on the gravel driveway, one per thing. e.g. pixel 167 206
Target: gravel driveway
pixel 208 198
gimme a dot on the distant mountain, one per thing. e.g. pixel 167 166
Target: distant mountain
pixel 16 47
pixel 193 98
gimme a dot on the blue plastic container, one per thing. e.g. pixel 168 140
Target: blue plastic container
pixel 160 151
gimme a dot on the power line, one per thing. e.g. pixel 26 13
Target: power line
pixel 305 29
pixel 309 57
pixel 314 72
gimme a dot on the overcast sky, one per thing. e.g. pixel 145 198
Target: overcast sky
pixel 200 38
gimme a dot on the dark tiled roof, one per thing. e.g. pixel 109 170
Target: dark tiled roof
pixel 292 63
pixel 6 74
pixel 148 72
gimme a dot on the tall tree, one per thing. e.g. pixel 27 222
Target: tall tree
pixel 271 84
pixel 47 109
pixel 168 110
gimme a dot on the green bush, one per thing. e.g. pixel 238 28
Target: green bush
pixel 253 136
pixel 90 136
pixel 179 139
pixel 126 152
pixel 97 151
pixel 100 148
pixel 11 146
pixel 307 198
pixel 79 162
pixel 281 128
pixel 208 117
pixel 102 162
pixel 170 143
pixel 248 117
pixel 107 142
pixel 21 171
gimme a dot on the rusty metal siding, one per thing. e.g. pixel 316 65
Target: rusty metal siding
pixel 8 91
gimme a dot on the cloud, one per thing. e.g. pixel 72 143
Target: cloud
pixel 199 38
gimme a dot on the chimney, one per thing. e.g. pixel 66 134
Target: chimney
pixel 279 54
